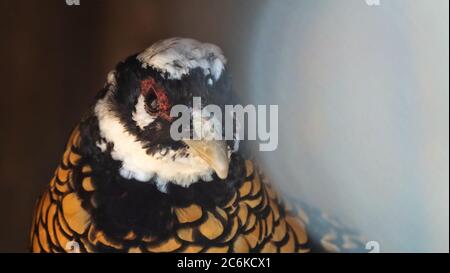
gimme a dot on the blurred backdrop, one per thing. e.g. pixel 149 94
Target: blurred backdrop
pixel 363 95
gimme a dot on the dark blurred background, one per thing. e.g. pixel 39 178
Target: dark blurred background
pixel 362 91
pixel 54 58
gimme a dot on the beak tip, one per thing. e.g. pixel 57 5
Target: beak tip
pixel 222 174
pixel 214 153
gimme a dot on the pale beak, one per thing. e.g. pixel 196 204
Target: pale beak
pixel 214 152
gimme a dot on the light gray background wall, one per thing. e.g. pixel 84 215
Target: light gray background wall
pixel 364 120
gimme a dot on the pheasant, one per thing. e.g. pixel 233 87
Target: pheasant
pixel 125 185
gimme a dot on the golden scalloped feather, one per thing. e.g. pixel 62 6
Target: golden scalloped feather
pixel 253 203
pixel 254 236
pixel 275 210
pixel 87 184
pixel 76 217
pixel 280 231
pixel 212 228
pixel 243 213
pixel 60 236
pixel 148 239
pixel 217 249
pixel 186 234
pixel 130 236
pixel 269 222
pixel 35 244
pixel 74 137
pixel 269 247
pixel 53 181
pixel 63 223
pixel 134 249
pixel 86 169
pixel 74 158
pixel 256 185
pixel 245 189
pixel 250 222
pixel 241 245
pixel 43 239
pixel 248 168
pixel 222 213
pixel 169 245
pixel 192 249
pixel 289 246
pixel 263 234
pixel 51 216
pixel 271 192
pixel 63 188
pixel 233 230
pixel 65 160
pixel 98 237
pixel 298 228
pixel 46 202
pixel 63 174
pixel 231 201
pixel 189 214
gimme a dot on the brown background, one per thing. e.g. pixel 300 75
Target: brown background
pixel 54 58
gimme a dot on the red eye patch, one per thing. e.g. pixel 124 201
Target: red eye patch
pixel 149 85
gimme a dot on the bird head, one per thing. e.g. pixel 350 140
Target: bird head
pixel 134 113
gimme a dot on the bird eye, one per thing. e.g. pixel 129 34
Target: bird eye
pixel 156 100
pixel 151 103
